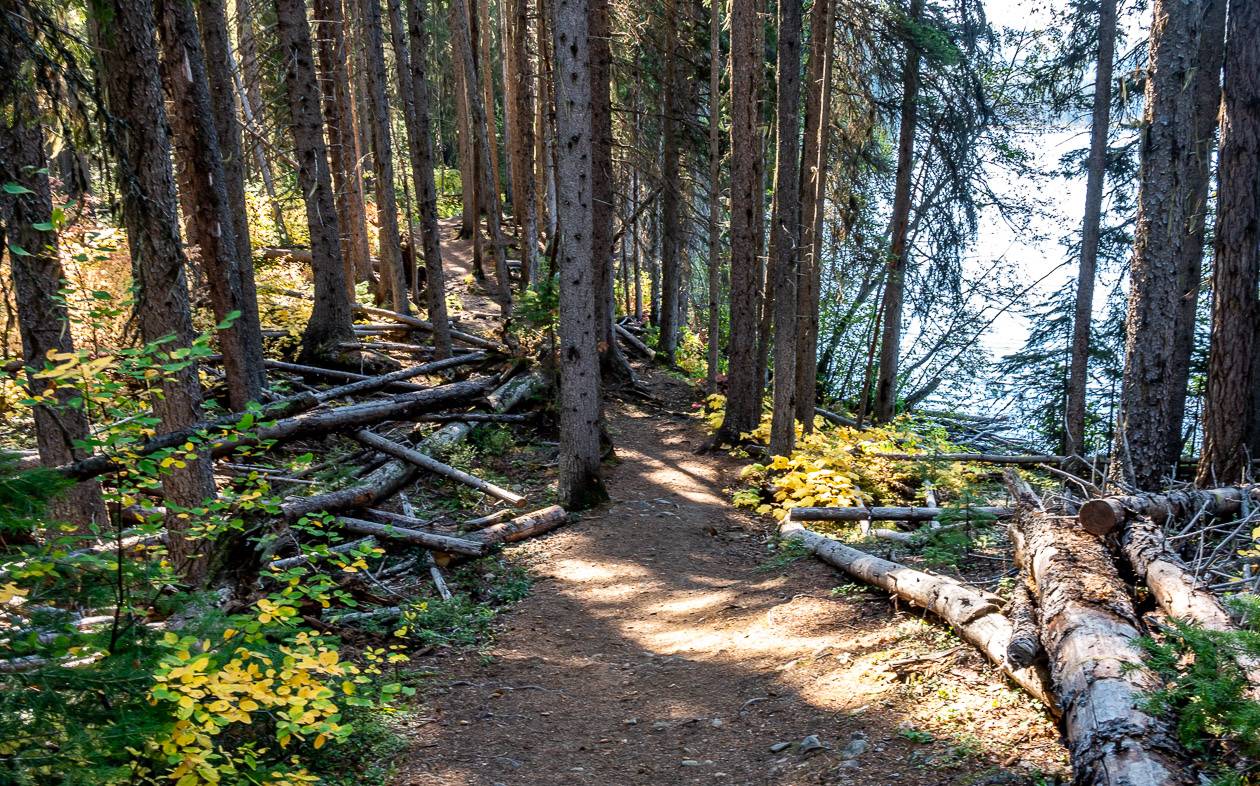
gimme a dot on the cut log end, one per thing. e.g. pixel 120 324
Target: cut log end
pixel 1101 517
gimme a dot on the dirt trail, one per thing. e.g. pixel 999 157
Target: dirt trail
pixel 660 646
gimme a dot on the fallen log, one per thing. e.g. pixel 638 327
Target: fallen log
pixel 1176 591
pixel 859 513
pixel 632 341
pixel 101 463
pixel 987 458
pixel 976 617
pixel 507 396
pixel 1102 516
pixel 305 559
pixel 319 372
pixel 472 417
pixel 431 464
pixel 522 527
pixel 1089 630
pixel 371 384
pixel 835 418
pixel 416 322
pixel 430 540
pixel 1025 643
pixel 394 474
pixel 485 521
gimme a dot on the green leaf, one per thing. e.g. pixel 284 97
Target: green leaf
pixel 18 251
pixel 16 188
pixel 44 226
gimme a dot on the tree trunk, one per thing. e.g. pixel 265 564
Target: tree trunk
pixel 518 101
pixel 822 27
pixel 743 397
pixel 129 71
pixel 672 247
pixel 895 282
pixel 1194 178
pixel 580 482
pixel 786 227
pixel 715 196
pixel 974 614
pixel 467 161
pixel 1078 371
pixel 1236 264
pixel 210 221
pixel 343 143
pixel 216 44
pixel 488 192
pixel 422 175
pixel 249 91
pixel 612 362
pixel 331 321
pixel 1090 629
pixel 1146 411
pixel 38 279
pixel 393 280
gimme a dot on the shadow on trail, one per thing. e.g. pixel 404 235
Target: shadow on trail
pixel 657 648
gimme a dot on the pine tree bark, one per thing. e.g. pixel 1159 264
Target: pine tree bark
pixel 216 45
pixel 713 356
pixel 743 396
pixel 488 194
pixel 467 163
pixel 1236 265
pixel 544 138
pixel 580 482
pixel 1078 369
pixel 1146 412
pixel 612 362
pixel 895 282
pixel 422 176
pixel 671 187
pixel 331 321
pixel 1196 176
pixel 38 279
pixel 343 142
pixel 518 100
pixel 210 221
pixel 483 31
pixel 786 228
pixel 393 279
pixel 822 27
pixel 141 144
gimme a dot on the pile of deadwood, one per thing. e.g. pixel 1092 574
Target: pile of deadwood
pixel 404 422
pixel 1069 632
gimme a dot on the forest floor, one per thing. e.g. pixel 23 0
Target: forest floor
pixel 667 641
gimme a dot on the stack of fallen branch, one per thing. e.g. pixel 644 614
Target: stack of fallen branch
pixel 1069 634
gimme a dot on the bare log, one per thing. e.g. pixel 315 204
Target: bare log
pixel 305 559
pixel 895 514
pixel 431 464
pixel 1103 516
pixel 472 417
pixel 425 325
pixel 987 458
pixel 835 418
pixel 976 617
pixel 522 527
pixel 394 474
pixel 1089 629
pixel 430 540
pixel 634 343
pixel 370 384
pixel 487 520
pixel 1025 643
pixel 319 372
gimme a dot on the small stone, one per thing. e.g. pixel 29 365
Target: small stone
pixel 631 722
pixel 779 747
pixel 811 744
pixel 716 723
pixel 856 747
pixel 660 725
pixel 690 763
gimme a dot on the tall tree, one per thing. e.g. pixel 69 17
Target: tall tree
pixel 1194 176
pixel 208 211
pixel 248 84
pixel 1078 371
pixel 1236 264
pixel 786 227
pixel 899 224
pixel 27 238
pixel 612 362
pixel 1145 417
pixel 330 323
pixel 672 247
pixel 393 279
pixel 580 482
pixel 343 142
pixel 422 175
pixel 743 396
pixel 715 194
pixel 488 192
pixel 822 26
pixel 141 145
pixel 519 104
